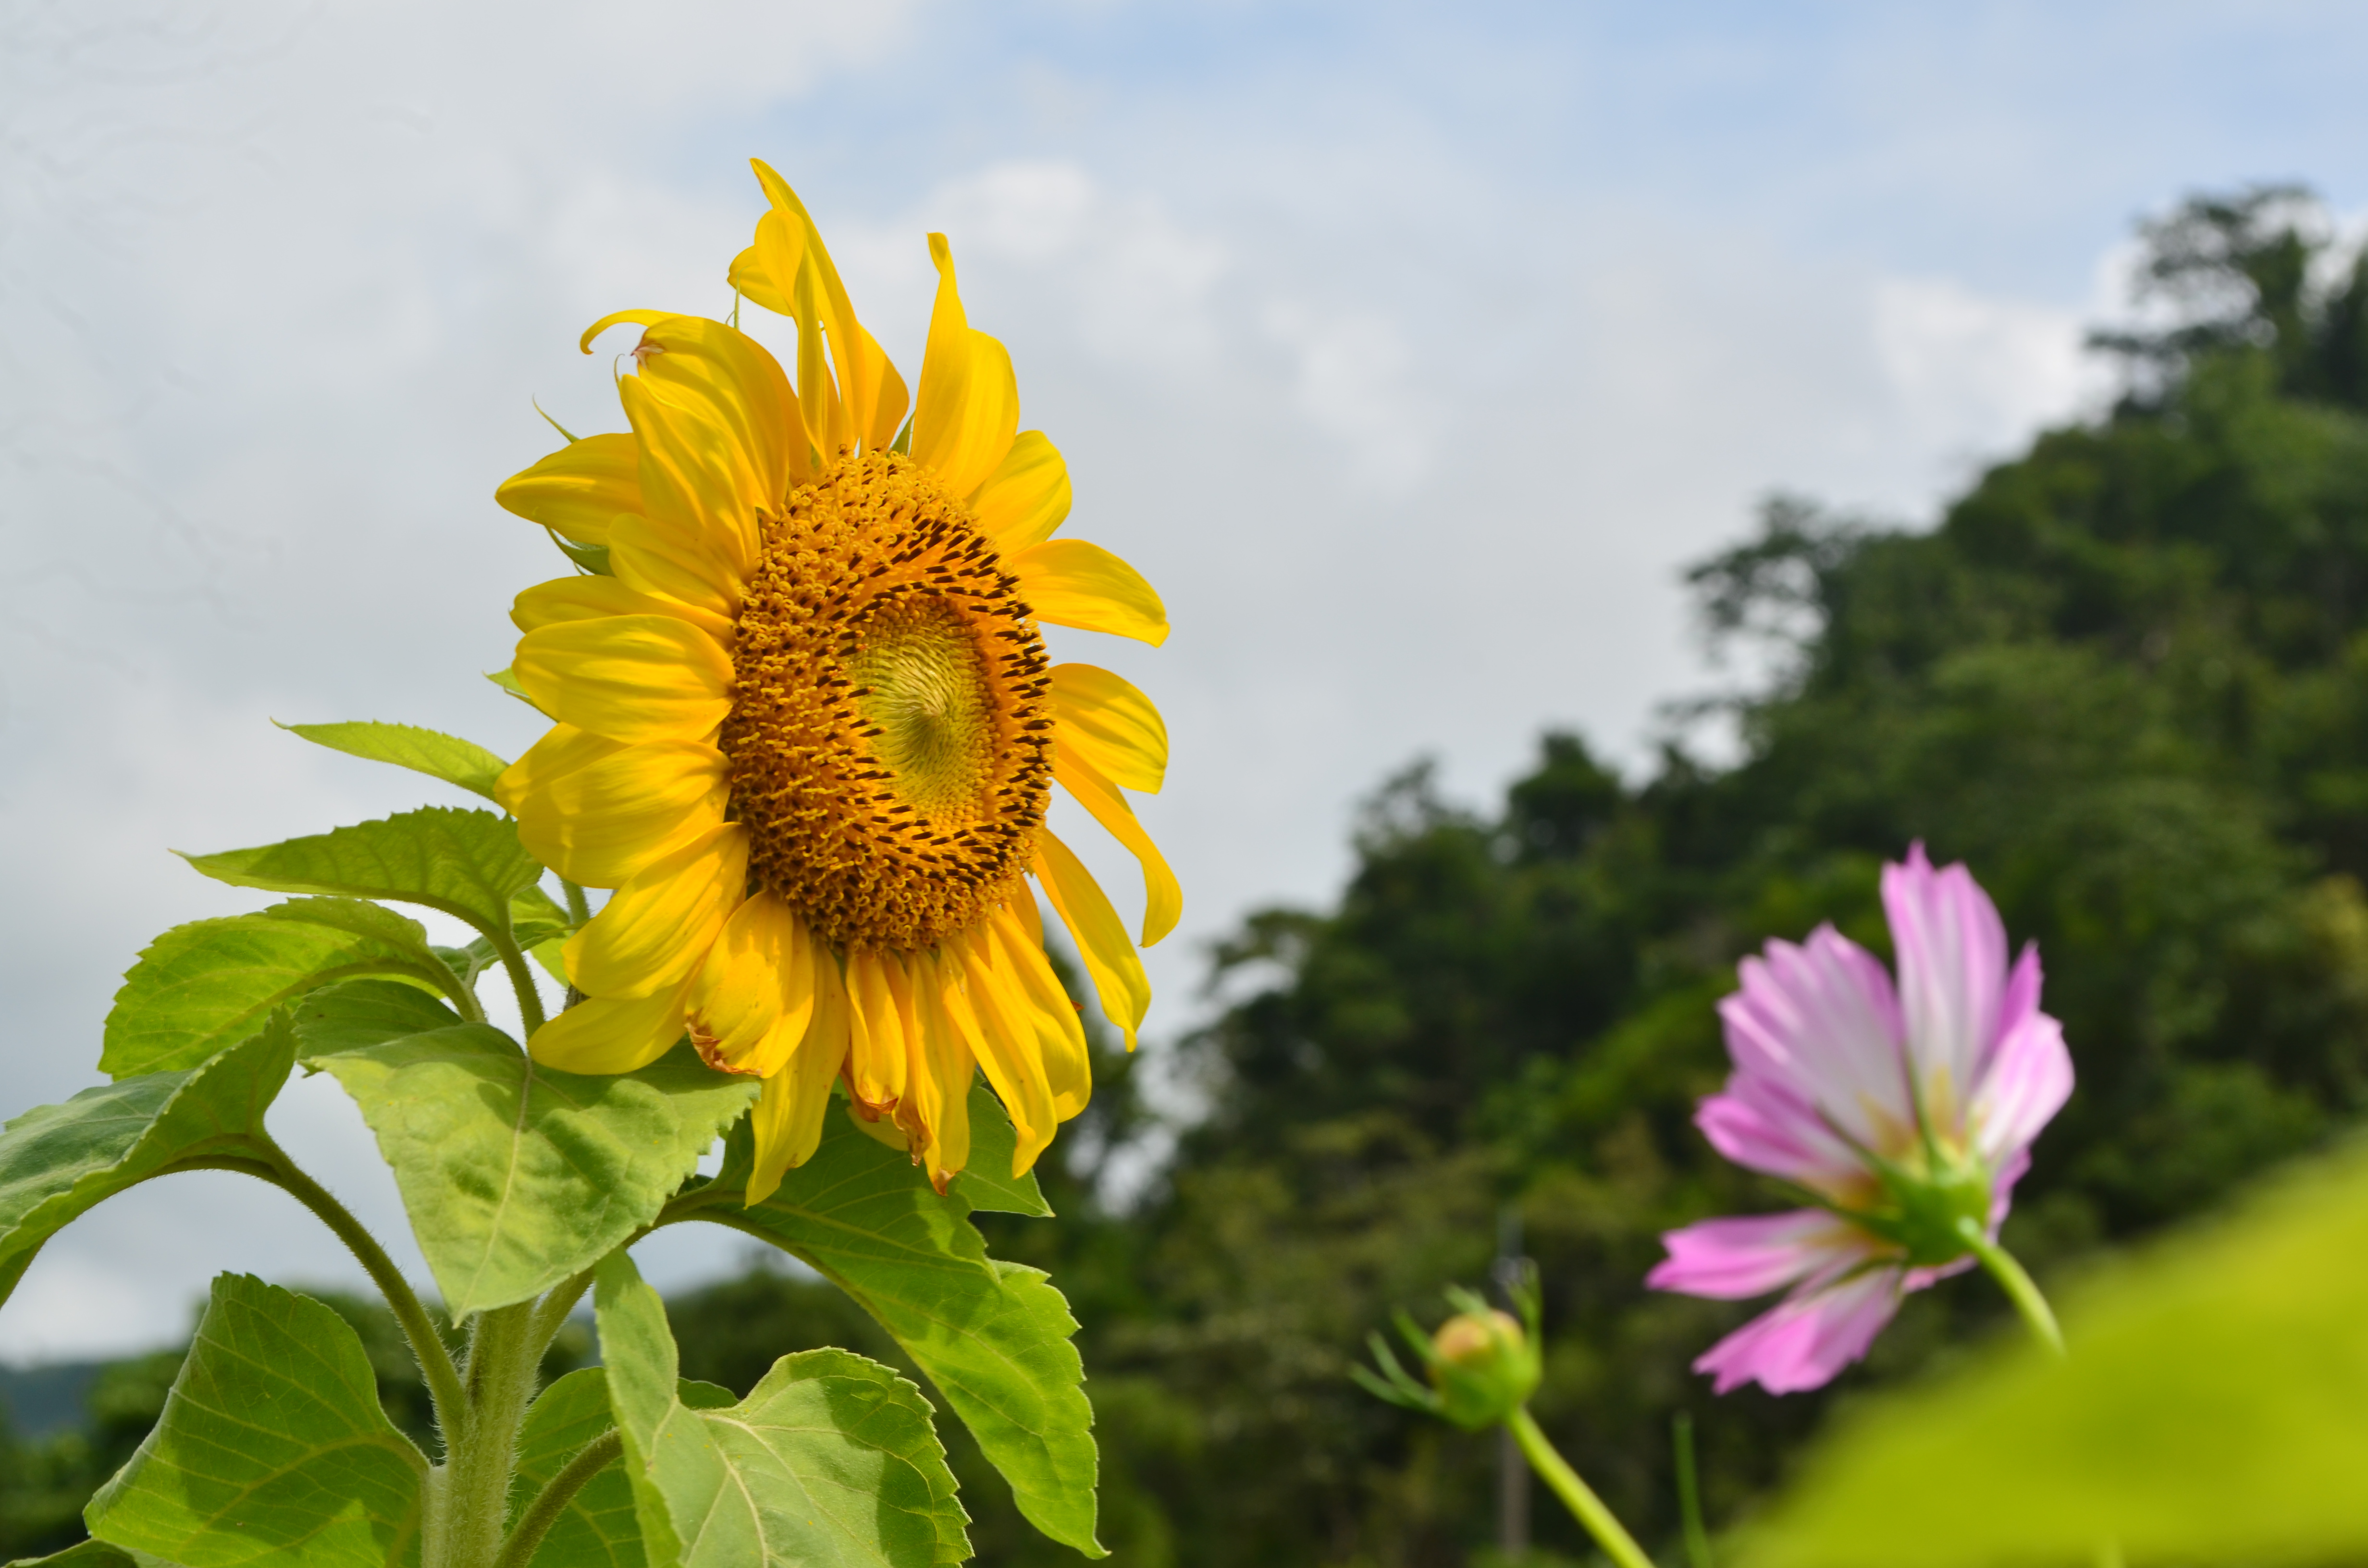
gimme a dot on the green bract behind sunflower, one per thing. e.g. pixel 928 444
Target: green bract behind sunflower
pixel 807 728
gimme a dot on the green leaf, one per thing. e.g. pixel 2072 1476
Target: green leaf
pixel 272 1445
pixel 993 1337
pixel 58 1161
pixel 596 1529
pixel 508 682
pixel 209 984
pixel 92 1554
pixel 468 864
pixel 2210 1412
pixel 516 1175
pixel 986 1181
pixel 830 1460
pixel 365 1012
pixel 431 752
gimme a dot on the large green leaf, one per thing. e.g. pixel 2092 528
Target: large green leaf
pixel 92 1554
pixel 365 1012
pixel 2211 1411
pixel 57 1162
pixel 468 864
pixel 516 1175
pixel 272 1447
pixel 596 1529
pixel 431 752
pixel 831 1460
pixel 209 984
pixel 993 1337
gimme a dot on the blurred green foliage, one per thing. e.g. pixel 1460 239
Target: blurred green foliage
pixel 2127 678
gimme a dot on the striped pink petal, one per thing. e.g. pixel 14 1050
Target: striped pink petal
pixel 1809 1337
pixel 1821 1019
pixel 1952 951
pixel 1732 1259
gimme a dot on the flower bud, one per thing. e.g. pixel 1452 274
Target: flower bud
pixel 1484 1368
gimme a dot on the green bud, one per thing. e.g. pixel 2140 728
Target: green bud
pixel 1484 1368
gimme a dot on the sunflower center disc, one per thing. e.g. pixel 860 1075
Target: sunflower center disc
pixel 889 738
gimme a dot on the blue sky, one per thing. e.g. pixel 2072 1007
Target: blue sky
pixel 1412 350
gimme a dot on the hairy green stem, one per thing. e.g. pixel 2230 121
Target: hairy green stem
pixel 426 1346
pixel 529 1000
pixel 579 908
pixel 553 1500
pixel 1682 1438
pixel 468 1504
pixel 1575 1494
pixel 2036 1314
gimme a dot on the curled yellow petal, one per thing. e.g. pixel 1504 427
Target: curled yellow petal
pixel 1110 723
pixel 1071 582
pixel 788 1118
pixel 658 925
pixel 582 597
pixel 599 811
pixel 1162 898
pixel 603 1036
pixel 1109 957
pixel 969 407
pixel 1038 996
pixel 640 318
pixel 631 677
pixel 578 490
pixel 864 377
pixel 1005 1041
pixel 876 1061
pixel 768 270
pixel 754 992
pixel 937 1100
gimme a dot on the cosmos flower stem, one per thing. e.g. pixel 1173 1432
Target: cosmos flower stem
pixel 2036 1314
pixel 1575 1494
pixel 1682 1439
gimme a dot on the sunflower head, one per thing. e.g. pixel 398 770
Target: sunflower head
pixel 807 727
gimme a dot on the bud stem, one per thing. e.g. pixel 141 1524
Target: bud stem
pixel 2036 1314
pixel 1575 1494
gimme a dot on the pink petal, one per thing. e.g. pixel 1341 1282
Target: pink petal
pixel 1761 1126
pixel 2028 1080
pixel 1732 1259
pixel 1952 951
pixel 1807 1337
pixel 1822 1019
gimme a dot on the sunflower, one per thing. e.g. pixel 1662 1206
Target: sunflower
pixel 806 728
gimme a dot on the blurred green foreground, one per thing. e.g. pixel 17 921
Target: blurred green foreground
pixel 2127 679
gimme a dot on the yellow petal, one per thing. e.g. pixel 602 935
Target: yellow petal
pixel 878 423
pixel 754 995
pixel 1037 992
pixel 583 597
pixel 1109 957
pixel 602 1036
pixel 700 484
pixel 857 390
pixel 788 1118
pixel 767 270
pixel 659 924
pixel 1111 725
pixel 672 563
pixel 938 1097
pixel 1026 497
pixel 1071 582
pixel 1004 1037
pixel 875 1047
pixel 1163 899
pixel 630 677
pixel 640 318
pixel 599 811
pixel 728 381
pixel 579 489
pixel 969 407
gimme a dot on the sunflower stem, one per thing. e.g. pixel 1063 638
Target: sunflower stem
pixel 2037 1315
pixel 529 999
pixel 579 908
pixel 553 1500
pixel 1575 1494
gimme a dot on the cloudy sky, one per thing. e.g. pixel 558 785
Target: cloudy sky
pixel 1411 350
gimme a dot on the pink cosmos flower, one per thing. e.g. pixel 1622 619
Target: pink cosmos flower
pixel 1906 1115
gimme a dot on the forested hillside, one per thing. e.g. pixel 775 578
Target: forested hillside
pixel 2126 677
